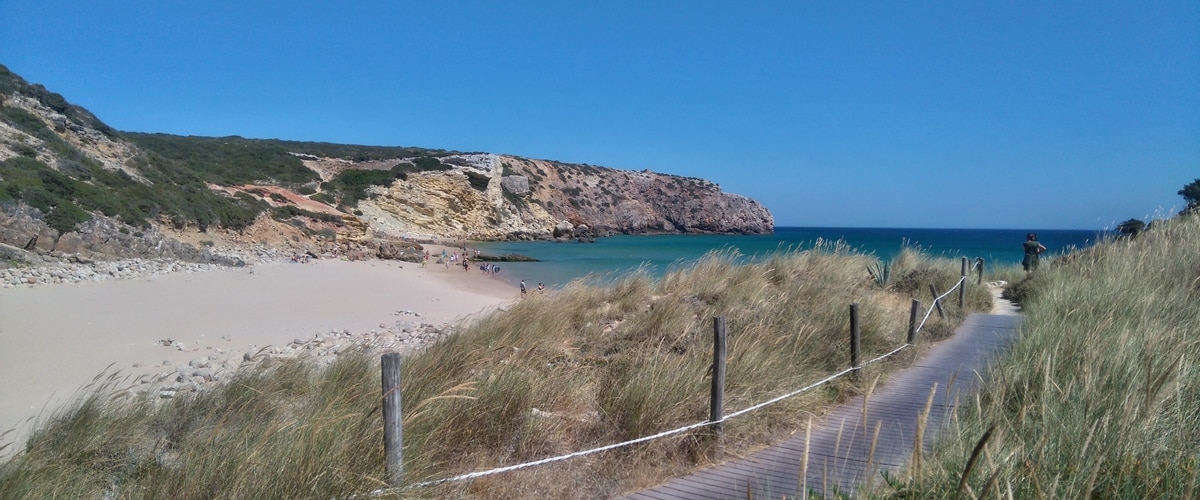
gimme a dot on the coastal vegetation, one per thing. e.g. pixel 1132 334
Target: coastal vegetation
pixel 559 371
pixel 70 166
pixel 1191 194
pixel 179 170
pixel 1098 397
pixel 167 178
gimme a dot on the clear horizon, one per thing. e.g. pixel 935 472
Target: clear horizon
pixel 1024 229
pixel 1067 115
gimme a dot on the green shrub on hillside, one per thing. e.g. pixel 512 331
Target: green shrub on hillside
pixel 325 198
pixel 65 217
pixel 177 169
pixel 429 163
pixel 52 100
pixel 26 122
pixel 288 211
pixel 11 83
pixel 353 151
pixel 1191 194
pixel 350 186
pixel 228 161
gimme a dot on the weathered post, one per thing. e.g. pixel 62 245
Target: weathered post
pixel 855 338
pixel 937 303
pixel 716 407
pixel 979 265
pixel 962 285
pixel 393 434
pixel 912 321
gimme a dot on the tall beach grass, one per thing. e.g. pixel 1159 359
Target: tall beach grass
pixel 1099 397
pixel 558 372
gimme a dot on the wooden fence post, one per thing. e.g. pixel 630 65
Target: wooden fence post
pixel 393 434
pixel 855 337
pixel 912 320
pixel 716 406
pixel 979 264
pixel 962 285
pixel 937 303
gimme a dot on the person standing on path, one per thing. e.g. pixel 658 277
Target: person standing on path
pixel 1032 250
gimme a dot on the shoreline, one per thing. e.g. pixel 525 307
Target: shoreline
pixel 158 328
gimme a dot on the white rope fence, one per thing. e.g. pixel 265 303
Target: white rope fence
pixel 939 299
pixel 663 434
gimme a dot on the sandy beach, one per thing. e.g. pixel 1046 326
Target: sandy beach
pixel 58 337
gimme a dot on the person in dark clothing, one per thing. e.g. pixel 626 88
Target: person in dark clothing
pixel 1032 250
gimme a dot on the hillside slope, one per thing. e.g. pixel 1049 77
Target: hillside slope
pixel 489 197
pixel 70 167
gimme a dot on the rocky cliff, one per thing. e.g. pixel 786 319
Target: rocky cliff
pixel 61 167
pixel 499 197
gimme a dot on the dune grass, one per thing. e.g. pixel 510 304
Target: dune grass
pixel 558 372
pixel 1098 398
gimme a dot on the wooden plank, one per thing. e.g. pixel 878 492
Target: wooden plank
pixel 393 432
pixel 774 472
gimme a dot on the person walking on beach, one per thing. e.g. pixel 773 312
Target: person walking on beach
pixel 1032 250
pixel 522 288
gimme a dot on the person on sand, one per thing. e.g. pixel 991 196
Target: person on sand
pixel 522 288
pixel 1032 250
pixel 541 287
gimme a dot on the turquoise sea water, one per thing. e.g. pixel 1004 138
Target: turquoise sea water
pixel 562 262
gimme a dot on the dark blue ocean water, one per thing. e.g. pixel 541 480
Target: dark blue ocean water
pixel 562 262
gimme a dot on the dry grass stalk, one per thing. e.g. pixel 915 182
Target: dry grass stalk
pixel 871 472
pixel 802 488
pixel 582 367
pixel 1097 398
pixel 919 439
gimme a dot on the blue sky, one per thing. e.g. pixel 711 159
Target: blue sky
pixel 1038 115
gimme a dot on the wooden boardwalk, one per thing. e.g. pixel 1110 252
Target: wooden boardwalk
pixel 840 464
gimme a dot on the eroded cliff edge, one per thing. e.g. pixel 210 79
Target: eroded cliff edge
pixel 486 197
pixel 85 189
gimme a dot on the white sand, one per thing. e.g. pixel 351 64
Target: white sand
pixel 57 338
pixel 1001 305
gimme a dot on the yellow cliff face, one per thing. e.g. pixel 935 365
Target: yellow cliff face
pixel 259 195
pixel 488 197
pixel 448 205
